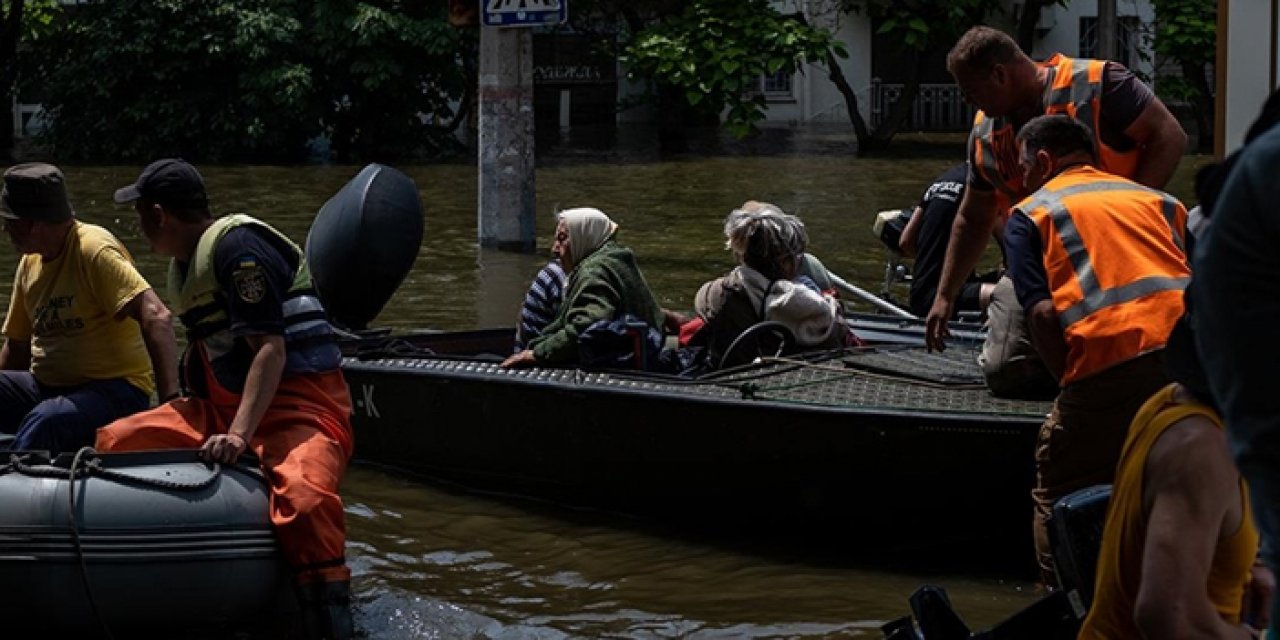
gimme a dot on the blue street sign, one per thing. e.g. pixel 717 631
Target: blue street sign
pixel 524 13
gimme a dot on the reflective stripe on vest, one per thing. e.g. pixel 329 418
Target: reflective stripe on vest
pixel 1073 87
pixel 1049 205
pixel 196 299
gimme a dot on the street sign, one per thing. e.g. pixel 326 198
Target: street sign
pixel 524 13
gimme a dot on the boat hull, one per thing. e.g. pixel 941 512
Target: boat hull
pixel 769 445
pixel 159 543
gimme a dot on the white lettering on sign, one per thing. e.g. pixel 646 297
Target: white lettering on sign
pixel 516 6
pixel 370 409
pixel 567 73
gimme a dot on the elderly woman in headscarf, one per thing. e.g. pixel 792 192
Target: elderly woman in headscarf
pixel 767 285
pixel 604 284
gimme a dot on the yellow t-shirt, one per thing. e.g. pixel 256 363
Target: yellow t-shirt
pixel 69 309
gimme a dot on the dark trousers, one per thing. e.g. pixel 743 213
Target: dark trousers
pixel 58 419
pixel 1081 439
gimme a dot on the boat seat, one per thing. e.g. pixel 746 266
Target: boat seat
pixel 767 338
pixel 1075 535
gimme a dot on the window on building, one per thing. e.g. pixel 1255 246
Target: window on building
pixel 777 86
pixel 1128 39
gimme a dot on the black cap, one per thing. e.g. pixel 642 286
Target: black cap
pixel 171 182
pixel 35 191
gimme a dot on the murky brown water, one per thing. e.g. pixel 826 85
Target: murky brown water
pixel 435 563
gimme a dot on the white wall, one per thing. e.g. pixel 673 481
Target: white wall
pixel 1248 32
pixel 1064 36
pixel 815 97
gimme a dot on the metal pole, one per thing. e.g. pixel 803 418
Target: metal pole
pixel 506 202
pixel 1107 29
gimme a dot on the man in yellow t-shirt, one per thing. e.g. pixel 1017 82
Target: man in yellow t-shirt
pixel 84 330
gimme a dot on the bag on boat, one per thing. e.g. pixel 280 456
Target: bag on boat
pixel 625 343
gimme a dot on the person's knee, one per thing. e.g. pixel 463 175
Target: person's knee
pixel 985 291
pixel 54 424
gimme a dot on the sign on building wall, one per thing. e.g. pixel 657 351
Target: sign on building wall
pixel 565 59
pixel 524 13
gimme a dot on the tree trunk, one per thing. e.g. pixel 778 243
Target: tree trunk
pixel 873 141
pixel 836 74
pixel 9 36
pixel 1031 10
pixel 1201 105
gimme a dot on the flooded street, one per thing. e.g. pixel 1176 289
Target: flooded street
pixel 437 562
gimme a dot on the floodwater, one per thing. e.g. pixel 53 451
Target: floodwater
pixel 434 561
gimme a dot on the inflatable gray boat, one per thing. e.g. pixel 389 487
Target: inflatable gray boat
pixel 133 544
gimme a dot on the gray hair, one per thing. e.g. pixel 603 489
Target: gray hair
pixel 759 233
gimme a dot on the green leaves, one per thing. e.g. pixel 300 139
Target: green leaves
pixel 1186 30
pixel 248 80
pixel 737 42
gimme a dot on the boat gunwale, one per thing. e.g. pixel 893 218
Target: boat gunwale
pixel 581 383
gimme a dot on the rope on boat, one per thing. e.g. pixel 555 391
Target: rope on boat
pixel 75 536
pixel 85 460
pixel 93 466
pixel 395 348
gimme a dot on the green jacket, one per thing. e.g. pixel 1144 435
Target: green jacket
pixel 607 285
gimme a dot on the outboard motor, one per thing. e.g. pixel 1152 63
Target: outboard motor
pixel 888 228
pixel 363 243
pixel 1075 533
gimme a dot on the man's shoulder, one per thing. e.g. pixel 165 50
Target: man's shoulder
pixel 1263 151
pixel 249 238
pixel 1191 442
pixel 97 243
pixel 93 237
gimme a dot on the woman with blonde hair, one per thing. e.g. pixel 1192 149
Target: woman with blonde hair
pixel 767 285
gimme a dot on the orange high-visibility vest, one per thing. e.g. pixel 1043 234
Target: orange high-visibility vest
pixel 1115 258
pixel 1074 88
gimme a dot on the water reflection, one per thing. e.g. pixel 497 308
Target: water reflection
pixel 432 563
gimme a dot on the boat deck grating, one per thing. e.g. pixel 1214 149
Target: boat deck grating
pixel 906 379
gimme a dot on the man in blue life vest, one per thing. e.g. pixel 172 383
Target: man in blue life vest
pixel 262 369
pixel 1135 136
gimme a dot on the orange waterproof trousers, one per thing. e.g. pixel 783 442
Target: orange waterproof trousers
pixel 303 441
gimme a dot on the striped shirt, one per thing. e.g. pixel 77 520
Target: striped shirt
pixel 541 303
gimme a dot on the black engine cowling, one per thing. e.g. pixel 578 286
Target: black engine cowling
pixel 363 243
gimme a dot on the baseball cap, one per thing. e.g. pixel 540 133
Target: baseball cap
pixel 171 182
pixel 35 191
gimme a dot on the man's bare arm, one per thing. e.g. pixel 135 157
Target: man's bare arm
pixel 1190 487
pixel 974 221
pixel 15 355
pixel 260 385
pixel 157 333
pixel 907 243
pixel 1046 334
pixel 1161 141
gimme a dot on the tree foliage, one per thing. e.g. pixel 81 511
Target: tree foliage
pixel 20 21
pixel 715 52
pixel 231 80
pixel 1186 35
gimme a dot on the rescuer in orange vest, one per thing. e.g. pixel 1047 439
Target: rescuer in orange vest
pixel 1134 134
pixel 1099 264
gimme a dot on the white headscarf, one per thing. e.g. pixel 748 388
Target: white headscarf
pixel 588 229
